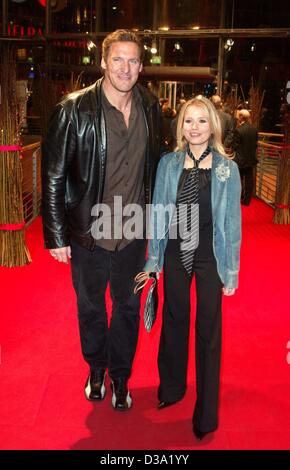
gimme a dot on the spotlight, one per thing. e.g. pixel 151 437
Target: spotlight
pixel 153 48
pixel 230 42
pixel 91 45
pixel 177 47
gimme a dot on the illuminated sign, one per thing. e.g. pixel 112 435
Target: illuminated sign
pixel 156 59
pixel 16 30
pixel 86 59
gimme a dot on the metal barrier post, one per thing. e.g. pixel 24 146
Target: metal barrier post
pixel 260 173
pixel 31 184
pixel 34 183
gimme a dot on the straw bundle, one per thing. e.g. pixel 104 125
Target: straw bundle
pixel 13 251
pixel 282 211
pixel 256 102
pixel 45 95
pixel 231 102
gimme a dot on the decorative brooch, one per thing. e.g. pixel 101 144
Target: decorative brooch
pixel 222 172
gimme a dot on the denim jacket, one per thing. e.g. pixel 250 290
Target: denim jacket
pixel 226 213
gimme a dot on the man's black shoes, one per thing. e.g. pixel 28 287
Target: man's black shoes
pixel 95 389
pixel 121 398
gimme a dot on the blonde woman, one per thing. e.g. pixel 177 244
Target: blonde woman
pixel 203 242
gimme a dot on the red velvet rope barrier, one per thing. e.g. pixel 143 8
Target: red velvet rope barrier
pixel 18 226
pixel 9 148
pixel 282 206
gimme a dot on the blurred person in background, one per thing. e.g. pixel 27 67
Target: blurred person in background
pixel 245 147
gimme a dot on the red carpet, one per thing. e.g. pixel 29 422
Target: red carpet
pixel 42 374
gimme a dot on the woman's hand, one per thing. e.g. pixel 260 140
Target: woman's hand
pixel 229 290
pixel 141 279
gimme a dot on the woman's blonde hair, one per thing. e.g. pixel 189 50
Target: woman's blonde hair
pixel 215 139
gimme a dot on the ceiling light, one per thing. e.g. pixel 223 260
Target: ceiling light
pixel 91 45
pixel 230 42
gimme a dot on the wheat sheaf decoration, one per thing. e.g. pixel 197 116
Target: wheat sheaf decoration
pixel 13 250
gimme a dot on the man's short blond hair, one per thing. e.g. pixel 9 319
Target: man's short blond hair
pixel 120 35
pixel 217 101
pixel 245 115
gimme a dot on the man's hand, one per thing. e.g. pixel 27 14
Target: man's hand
pixel 61 254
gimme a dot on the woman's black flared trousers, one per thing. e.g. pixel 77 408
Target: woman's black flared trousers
pixel 173 348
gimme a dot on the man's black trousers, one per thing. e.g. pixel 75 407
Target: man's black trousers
pixel 105 346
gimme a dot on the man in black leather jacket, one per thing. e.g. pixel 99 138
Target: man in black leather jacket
pixel 103 142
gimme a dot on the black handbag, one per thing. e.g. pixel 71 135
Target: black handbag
pixel 151 302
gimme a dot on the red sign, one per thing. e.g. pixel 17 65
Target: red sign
pixel 24 31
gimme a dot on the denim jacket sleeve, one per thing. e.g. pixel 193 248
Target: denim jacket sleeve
pixel 157 228
pixel 233 228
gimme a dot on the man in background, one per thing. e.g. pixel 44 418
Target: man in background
pixel 245 147
pixel 227 123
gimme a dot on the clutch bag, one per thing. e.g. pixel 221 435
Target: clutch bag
pixel 151 304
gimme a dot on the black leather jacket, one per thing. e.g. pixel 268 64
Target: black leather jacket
pixel 74 164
